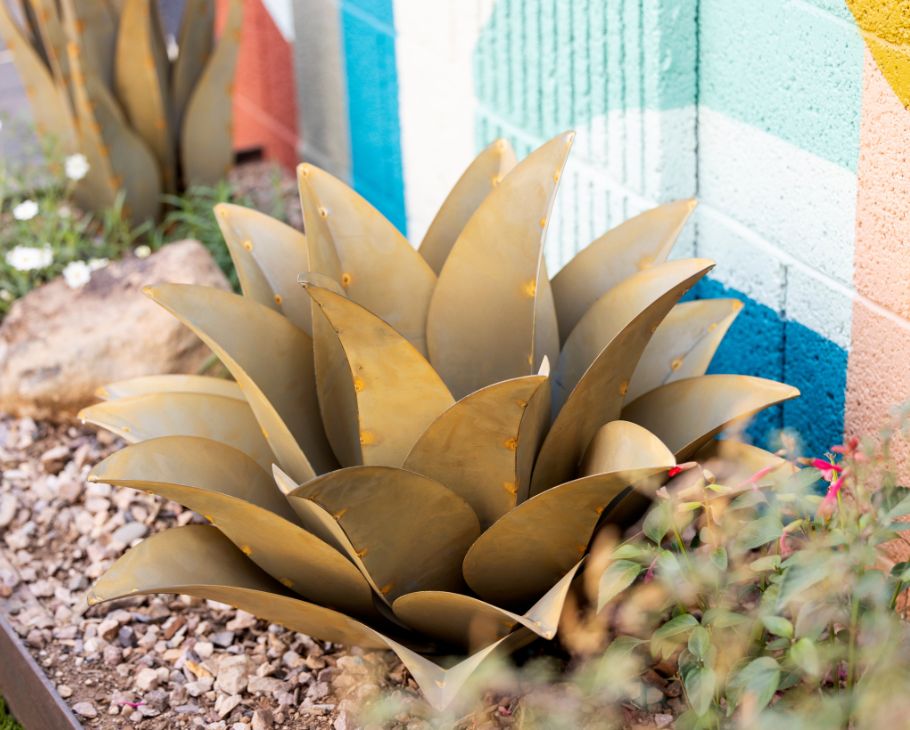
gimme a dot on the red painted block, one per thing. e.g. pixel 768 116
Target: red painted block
pixel 265 106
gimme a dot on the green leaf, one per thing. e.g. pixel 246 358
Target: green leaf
pixel 759 678
pixel 778 625
pixel 901 509
pixel 658 521
pixel 668 637
pixel 700 683
pixel 760 532
pixel 719 558
pixel 615 579
pixel 699 642
pixel 722 618
pixel 804 655
pixel 799 577
pixel 769 562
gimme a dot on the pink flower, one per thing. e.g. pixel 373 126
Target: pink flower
pixel 828 470
pixel 829 503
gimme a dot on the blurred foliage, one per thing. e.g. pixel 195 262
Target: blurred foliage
pixel 765 604
pixel 43 231
pixel 6 720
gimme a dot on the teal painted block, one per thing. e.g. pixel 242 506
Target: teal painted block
pixel 786 69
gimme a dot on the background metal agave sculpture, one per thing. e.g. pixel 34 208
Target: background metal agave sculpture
pixel 436 486
pixel 102 82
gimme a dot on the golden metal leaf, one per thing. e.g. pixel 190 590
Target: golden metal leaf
pixel 684 344
pixel 378 268
pixel 206 149
pixel 637 244
pixel 199 561
pixel 469 623
pixel 405 531
pixel 152 384
pixel 141 73
pixel 397 392
pixel 613 311
pixel 481 324
pixel 242 501
pixel 195 41
pixel 605 382
pixel 529 549
pixel 152 415
pixel 687 413
pixel 271 360
pixel 621 445
pixel 473 447
pixel 48 98
pixel 484 173
pixel 218 572
pixel 736 464
pixel 268 256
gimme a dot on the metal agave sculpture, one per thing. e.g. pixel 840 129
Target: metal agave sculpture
pixel 101 82
pixel 435 485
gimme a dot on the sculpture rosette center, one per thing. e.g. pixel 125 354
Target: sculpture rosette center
pixel 418 446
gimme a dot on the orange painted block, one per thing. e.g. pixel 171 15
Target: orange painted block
pixel 265 106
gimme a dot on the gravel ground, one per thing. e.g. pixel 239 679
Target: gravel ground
pixel 153 662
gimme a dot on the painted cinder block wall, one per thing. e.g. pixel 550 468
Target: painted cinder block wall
pixel 773 114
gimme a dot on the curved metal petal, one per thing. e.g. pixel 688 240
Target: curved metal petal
pixel 141 417
pixel 141 73
pixel 529 549
pixel 604 385
pixel 153 384
pixel 481 324
pixel 484 173
pixel 736 464
pixel 405 531
pixel 379 269
pixel 241 500
pixel 205 145
pixel 195 41
pixel 469 622
pixel 199 561
pixel 688 413
pixel 159 565
pixel 683 345
pixel 48 100
pixel 613 311
pixel 621 445
pixel 271 360
pixel 396 392
pixel 473 447
pixel 637 244
pixel 268 255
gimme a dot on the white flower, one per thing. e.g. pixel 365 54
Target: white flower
pixel 77 274
pixel 76 167
pixel 29 258
pixel 26 210
pixel 142 252
pixel 95 264
pixel 64 211
pixel 5 294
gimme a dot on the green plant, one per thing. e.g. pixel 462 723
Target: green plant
pixel 397 516
pixel 191 215
pixel 7 722
pixel 102 84
pixel 44 234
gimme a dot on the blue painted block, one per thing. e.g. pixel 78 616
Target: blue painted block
pixel 818 367
pixel 762 343
pixel 744 354
pixel 372 86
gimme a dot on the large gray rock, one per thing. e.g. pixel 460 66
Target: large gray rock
pixel 58 345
